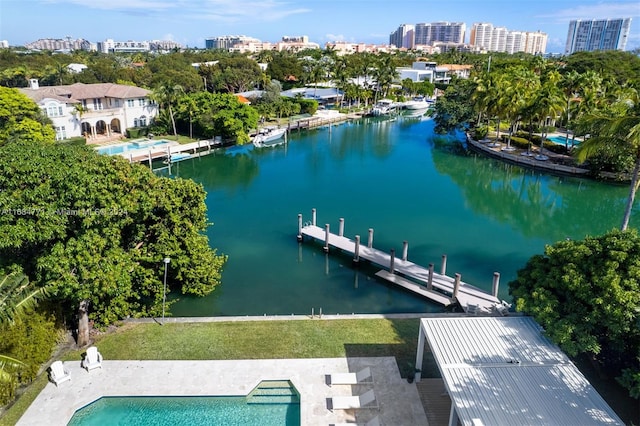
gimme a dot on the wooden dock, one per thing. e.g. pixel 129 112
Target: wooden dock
pixel 142 155
pixel 422 281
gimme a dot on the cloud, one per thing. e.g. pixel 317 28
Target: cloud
pixel 595 11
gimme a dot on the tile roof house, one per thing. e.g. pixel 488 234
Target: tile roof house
pixel 95 111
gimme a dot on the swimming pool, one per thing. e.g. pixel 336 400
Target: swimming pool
pixel 560 140
pixel 272 403
pixel 130 146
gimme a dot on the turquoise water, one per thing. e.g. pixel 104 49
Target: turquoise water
pixel 187 411
pixel 130 146
pixel 395 177
pixel 561 140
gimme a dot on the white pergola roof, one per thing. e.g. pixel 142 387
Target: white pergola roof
pixel 503 371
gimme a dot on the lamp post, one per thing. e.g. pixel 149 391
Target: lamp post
pixel 166 261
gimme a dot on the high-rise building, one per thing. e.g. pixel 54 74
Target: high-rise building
pixel 500 39
pixel 403 36
pixel 447 32
pixel 597 34
pixel 227 42
pixel 59 44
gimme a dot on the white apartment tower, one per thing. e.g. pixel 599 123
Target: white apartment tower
pixel 403 36
pixel 597 34
pixel 446 32
pixel 500 39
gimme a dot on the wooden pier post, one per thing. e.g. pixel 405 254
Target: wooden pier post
pixel 341 227
pixel 405 250
pixel 496 284
pixel 370 242
pixel 326 238
pixel 299 227
pixel 392 261
pixel 356 251
pixel 150 159
pixel 443 268
pixel 313 217
pixel 430 279
pixel 456 286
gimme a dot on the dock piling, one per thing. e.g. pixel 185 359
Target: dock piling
pixel 299 227
pixel 430 278
pixel 356 251
pixel 313 217
pixel 392 261
pixel 326 238
pixel 370 242
pixel 496 284
pixel 341 228
pixel 443 269
pixel 456 286
pixel 405 250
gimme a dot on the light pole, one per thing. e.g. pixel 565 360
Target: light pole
pixel 166 261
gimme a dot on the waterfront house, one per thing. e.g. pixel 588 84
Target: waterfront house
pixel 99 112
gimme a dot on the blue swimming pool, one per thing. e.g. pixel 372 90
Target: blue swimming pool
pixel 560 140
pixel 272 403
pixel 130 146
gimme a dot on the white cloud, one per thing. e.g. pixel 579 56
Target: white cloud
pixel 595 11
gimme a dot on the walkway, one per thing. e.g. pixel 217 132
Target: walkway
pixel 398 401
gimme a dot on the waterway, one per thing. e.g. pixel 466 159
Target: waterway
pixel 396 177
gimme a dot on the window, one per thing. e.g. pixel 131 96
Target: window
pixel 130 103
pixel 135 122
pixel 54 110
pixel 116 103
pixel 84 104
pixel 140 102
pixel 61 133
pixel 143 121
pixel 97 104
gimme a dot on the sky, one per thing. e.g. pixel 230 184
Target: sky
pixel 189 22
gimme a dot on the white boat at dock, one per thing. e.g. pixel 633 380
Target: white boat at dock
pixel 384 107
pixel 417 103
pixel 270 136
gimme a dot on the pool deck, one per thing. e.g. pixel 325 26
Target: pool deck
pixel 398 401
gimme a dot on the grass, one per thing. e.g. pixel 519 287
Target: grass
pixel 247 340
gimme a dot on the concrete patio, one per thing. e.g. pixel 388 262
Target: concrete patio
pixel 398 401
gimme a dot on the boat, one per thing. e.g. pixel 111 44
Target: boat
pixel 417 103
pixel 270 136
pixel 178 156
pixel 384 107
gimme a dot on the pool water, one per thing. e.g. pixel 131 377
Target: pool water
pixel 186 410
pixel 561 140
pixel 130 146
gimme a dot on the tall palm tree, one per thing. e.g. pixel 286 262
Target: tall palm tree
pixel 570 85
pixel 549 103
pixel 621 133
pixel 167 95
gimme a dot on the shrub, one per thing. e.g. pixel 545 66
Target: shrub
pixel 307 106
pixel 516 141
pixel 137 132
pixel 480 132
pixel 31 339
pixel 78 140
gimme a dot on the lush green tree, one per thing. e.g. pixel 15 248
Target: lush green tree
pixel 454 108
pixel 586 295
pixel 283 65
pixel 21 119
pixel 95 229
pixel 236 74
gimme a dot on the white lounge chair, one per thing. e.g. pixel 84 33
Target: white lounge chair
pixel 366 400
pixel 58 373
pixel 93 359
pixel 362 376
pixel 373 422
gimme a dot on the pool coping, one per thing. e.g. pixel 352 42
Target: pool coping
pixel 398 401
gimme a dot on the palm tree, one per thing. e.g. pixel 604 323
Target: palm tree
pixel 570 85
pixel 548 103
pixel 166 95
pixel 620 133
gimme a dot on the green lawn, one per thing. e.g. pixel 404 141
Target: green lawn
pixel 248 340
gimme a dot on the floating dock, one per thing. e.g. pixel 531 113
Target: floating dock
pixel 437 287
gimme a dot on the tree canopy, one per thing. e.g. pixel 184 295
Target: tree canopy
pixel 586 295
pixel 95 228
pixel 22 119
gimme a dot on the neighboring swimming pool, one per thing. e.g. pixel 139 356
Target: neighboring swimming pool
pixel 272 403
pixel 130 146
pixel 560 140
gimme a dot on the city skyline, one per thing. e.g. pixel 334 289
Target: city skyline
pixel 190 22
